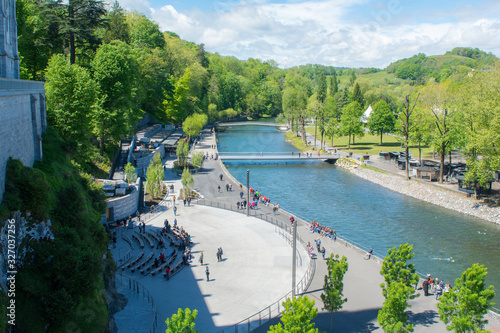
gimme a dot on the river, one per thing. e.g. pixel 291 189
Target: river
pixel 445 242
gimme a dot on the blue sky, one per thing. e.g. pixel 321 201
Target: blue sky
pixel 353 33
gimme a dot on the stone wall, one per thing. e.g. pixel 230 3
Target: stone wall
pixel 9 59
pixel 126 205
pixel 143 162
pixel 23 120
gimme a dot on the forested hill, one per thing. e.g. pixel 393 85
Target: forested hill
pixel 458 62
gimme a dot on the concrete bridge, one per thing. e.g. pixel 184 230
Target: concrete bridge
pixel 252 123
pixel 270 156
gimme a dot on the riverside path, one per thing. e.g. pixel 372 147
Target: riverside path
pixel 362 280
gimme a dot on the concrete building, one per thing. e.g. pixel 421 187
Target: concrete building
pixel 23 117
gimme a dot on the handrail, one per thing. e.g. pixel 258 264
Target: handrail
pixel 301 286
pixel 138 288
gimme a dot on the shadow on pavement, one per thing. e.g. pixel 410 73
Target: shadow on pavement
pixel 425 318
pixel 348 321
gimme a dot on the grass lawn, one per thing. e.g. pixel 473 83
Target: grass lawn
pixel 371 144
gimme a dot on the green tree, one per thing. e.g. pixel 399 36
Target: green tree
pixel 182 152
pixel 183 321
pixel 144 33
pixel 405 125
pixel 115 70
pixel 130 173
pixel 155 176
pixel 463 308
pixel 187 180
pixel 116 27
pixel 333 288
pixel 438 98
pixel 357 95
pixel 297 317
pixel 71 99
pixel 197 159
pixel 333 84
pixel 175 106
pixel 350 122
pixel 382 119
pixel 193 124
pixel 395 267
pixel 393 316
pixel 480 122
pixel 352 78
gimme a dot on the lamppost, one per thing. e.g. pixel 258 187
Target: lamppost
pixel 294 256
pixel 248 192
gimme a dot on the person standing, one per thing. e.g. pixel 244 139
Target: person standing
pixel 323 252
pixel 189 201
pixel 175 210
pixel 174 199
pixel 220 176
pixel 220 253
pixel 218 188
pixel 207 272
pixel 201 258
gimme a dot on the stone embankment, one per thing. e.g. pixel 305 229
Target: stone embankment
pixel 422 191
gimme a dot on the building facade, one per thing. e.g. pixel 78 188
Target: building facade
pixel 23 116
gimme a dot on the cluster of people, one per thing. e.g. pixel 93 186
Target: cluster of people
pixel 434 285
pixel 315 227
pixel 241 204
pixel 187 201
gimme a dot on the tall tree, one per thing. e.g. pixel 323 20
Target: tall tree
pixel 480 120
pixel 405 128
pixel 297 316
pixel 393 317
pixel 438 98
pixel 116 27
pixel 333 288
pixel 357 95
pixel 115 70
pixel 382 119
pixel 71 99
pixel 350 123
pixel 175 105
pixel 144 32
pixel 155 176
pixel 395 267
pixel 333 84
pixel 463 308
pixel 193 124
pixel 321 95
pixel 187 181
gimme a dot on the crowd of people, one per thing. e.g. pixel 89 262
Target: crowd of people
pixel 325 231
pixel 434 286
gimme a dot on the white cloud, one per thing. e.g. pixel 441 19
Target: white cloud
pixel 141 6
pixel 320 32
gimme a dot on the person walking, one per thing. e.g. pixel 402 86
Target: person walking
pixel 220 176
pixel 323 252
pixel 207 272
pixel 218 188
pixel 174 199
pixel 201 258
pixel 220 253
pixel 175 210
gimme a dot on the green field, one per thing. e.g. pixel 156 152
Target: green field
pixel 370 144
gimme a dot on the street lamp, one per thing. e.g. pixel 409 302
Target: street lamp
pixel 248 192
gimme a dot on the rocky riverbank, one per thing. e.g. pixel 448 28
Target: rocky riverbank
pixel 422 191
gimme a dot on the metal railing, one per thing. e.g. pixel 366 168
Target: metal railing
pixel 284 229
pixel 138 288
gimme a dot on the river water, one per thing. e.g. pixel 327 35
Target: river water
pixel 445 242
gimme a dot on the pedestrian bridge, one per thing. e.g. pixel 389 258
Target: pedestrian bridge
pixel 270 156
pixel 252 123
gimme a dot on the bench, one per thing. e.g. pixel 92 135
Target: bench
pixel 148 240
pixel 169 261
pixel 144 262
pixel 127 239
pixel 138 239
pixel 133 262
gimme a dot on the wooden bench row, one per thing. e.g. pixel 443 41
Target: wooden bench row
pixel 147 240
pixel 144 262
pixel 164 266
pixel 127 239
pixel 138 239
pixel 133 262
